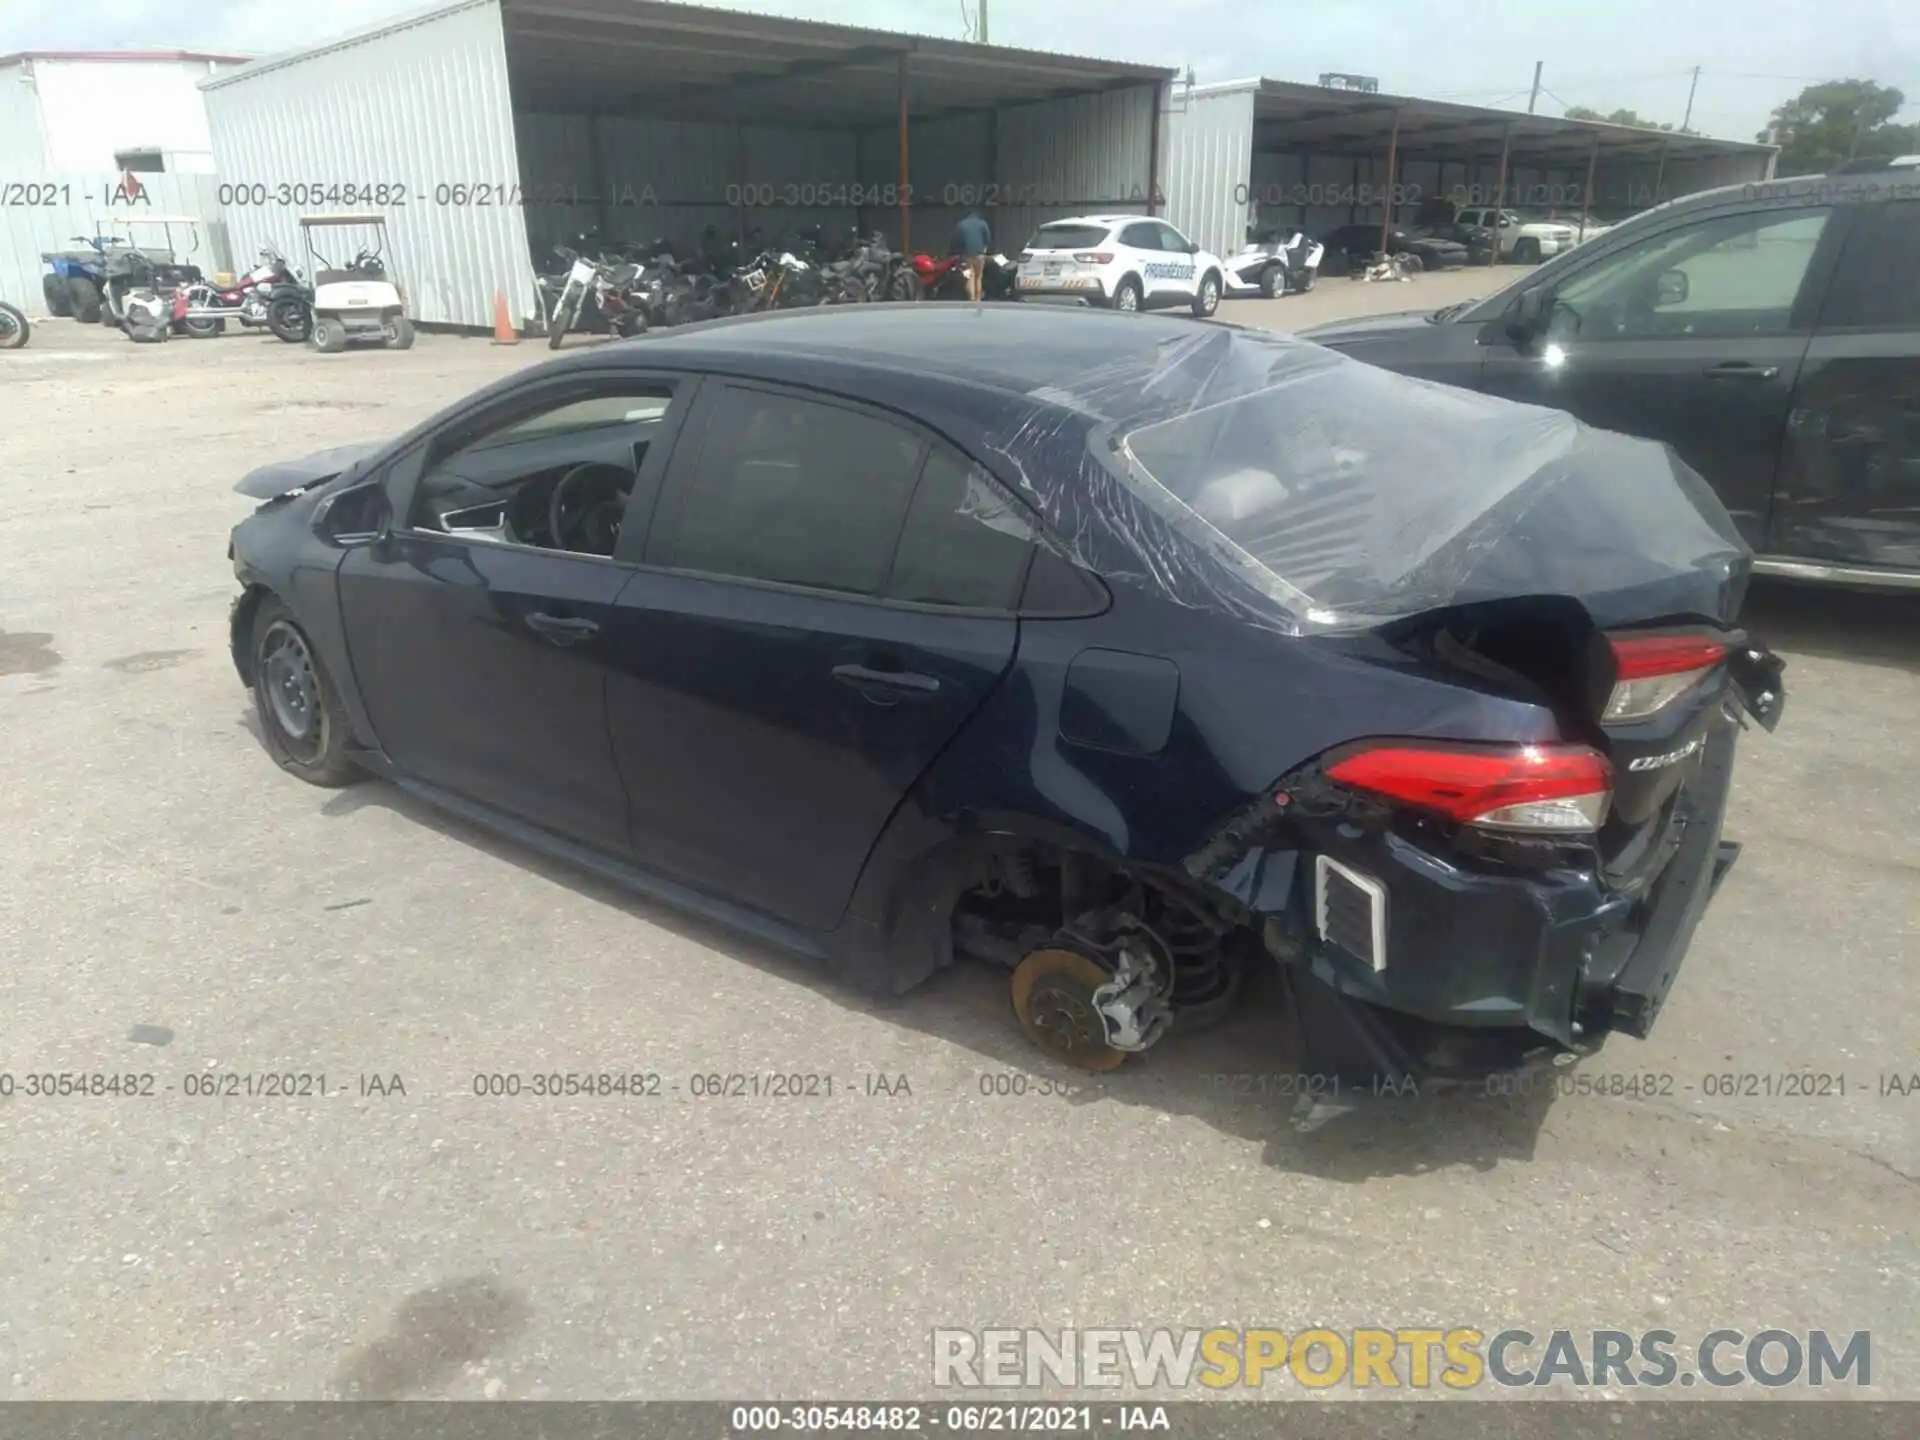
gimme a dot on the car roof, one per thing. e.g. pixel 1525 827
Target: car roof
pixel 1093 220
pixel 1013 348
pixel 1863 181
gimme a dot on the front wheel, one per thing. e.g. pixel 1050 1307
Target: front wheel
pixel 53 289
pixel 562 322
pixel 1273 282
pixel 14 328
pixel 1206 299
pixel 329 335
pixel 302 719
pixel 398 333
pixel 83 298
pixel 203 329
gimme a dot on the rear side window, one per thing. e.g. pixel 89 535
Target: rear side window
pixel 965 543
pixel 1877 284
pixel 1067 237
pixel 1141 237
pixel 796 492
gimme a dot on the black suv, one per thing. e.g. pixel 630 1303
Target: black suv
pixel 1769 332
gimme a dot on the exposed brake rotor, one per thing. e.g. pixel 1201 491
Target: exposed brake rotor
pixel 1053 996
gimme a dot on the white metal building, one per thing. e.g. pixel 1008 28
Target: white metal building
pixel 89 135
pixel 105 111
pixel 1271 151
pixel 487 130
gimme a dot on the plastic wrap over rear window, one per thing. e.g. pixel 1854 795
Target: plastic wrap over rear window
pixel 1249 472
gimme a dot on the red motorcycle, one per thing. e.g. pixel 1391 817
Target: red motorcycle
pixel 201 310
pixel 945 278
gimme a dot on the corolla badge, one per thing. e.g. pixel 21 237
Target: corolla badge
pixel 1672 757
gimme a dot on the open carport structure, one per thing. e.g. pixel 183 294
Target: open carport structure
pixel 504 126
pixel 1275 152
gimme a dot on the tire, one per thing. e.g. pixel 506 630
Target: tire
pixel 1206 299
pixel 903 286
pixel 83 300
pixel 290 321
pixel 1526 251
pixel 53 289
pixel 562 323
pixel 1411 264
pixel 1126 295
pixel 303 721
pixel 14 328
pixel 329 335
pixel 1307 279
pixel 203 329
pixel 1273 282
pixel 399 333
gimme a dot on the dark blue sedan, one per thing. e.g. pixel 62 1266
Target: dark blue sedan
pixel 1127 653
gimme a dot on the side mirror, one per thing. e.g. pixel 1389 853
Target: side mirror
pixel 1528 318
pixel 1673 288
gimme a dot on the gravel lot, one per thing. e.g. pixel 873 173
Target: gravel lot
pixel 175 905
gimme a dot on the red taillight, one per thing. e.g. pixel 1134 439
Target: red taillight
pixel 1652 671
pixel 1094 257
pixel 1551 788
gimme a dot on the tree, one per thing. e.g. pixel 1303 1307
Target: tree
pixel 1624 117
pixel 1828 124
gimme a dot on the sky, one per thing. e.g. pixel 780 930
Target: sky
pixel 1604 53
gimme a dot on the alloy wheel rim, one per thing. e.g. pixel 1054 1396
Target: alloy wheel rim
pixel 1127 302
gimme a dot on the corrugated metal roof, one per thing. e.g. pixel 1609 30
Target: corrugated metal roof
pixel 693 62
pixel 1293 116
pixel 130 56
pixel 697 62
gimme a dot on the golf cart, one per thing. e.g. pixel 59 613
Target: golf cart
pixel 357 301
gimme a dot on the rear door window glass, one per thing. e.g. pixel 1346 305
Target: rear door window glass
pixel 796 492
pixel 1877 283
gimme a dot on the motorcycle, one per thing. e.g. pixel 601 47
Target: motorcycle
pixel 202 311
pixel 1273 263
pixel 611 288
pixel 945 278
pixel 14 328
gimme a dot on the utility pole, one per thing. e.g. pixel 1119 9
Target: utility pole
pixel 1532 99
pixel 1687 119
pixel 983 23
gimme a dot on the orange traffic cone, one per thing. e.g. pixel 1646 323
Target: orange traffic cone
pixel 503 331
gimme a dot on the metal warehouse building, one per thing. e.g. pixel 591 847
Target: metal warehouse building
pixel 499 127
pixel 1274 152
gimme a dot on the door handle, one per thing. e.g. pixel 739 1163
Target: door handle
pixel 1741 370
pixel 890 682
pixel 561 629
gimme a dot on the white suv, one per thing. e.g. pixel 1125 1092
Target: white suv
pixel 1127 262
pixel 1522 240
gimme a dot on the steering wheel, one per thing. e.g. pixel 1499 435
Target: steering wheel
pixel 598 521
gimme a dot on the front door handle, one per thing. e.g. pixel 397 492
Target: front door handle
pixel 1741 370
pixel 561 629
pixel 886 686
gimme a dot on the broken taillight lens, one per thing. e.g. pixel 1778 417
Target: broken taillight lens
pixel 1562 789
pixel 1652 671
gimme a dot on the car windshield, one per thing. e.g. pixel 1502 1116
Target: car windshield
pixel 1067 237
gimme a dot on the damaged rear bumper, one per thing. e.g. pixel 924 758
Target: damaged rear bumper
pixel 1484 969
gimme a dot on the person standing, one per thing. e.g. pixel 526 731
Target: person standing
pixel 971 240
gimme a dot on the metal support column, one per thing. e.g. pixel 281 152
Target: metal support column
pixel 1500 191
pixel 1386 203
pixel 1153 148
pixel 1660 174
pixel 906 194
pixel 1586 199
